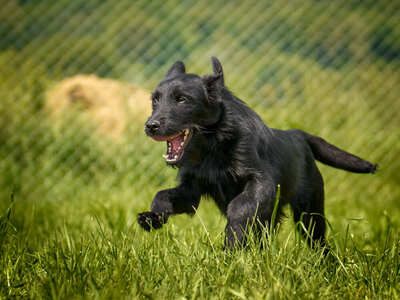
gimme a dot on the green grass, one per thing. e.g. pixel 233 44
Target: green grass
pixel 92 248
pixel 75 236
pixel 71 231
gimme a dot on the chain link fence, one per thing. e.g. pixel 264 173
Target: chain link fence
pixel 75 80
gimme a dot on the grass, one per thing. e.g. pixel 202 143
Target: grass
pixel 97 251
pixel 69 204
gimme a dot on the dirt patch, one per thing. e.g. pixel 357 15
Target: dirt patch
pixel 111 104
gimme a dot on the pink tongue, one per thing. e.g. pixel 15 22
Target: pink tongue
pixel 176 142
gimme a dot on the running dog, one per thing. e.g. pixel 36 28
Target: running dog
pixel 224 150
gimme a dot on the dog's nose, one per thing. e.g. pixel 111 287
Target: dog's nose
pixel 153 126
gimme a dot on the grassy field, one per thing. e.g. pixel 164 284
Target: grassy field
pixel 68 227
pixel 70 194
pixel 90 247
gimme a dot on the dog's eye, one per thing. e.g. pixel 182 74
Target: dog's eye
pixel 181 99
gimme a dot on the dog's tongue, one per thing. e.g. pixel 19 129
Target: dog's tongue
pixel 174 146
pixel 176 143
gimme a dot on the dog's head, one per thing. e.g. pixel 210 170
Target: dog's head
pixel 182 103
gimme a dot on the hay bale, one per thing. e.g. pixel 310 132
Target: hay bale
pixel 111 104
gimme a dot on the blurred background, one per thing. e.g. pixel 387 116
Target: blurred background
pixel 76 77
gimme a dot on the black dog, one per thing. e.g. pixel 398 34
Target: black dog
pixel 224 150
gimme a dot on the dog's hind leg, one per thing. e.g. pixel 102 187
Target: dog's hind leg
pixel 308 211
pixel 247 210
pixel 184 198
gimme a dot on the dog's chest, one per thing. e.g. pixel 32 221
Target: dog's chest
pixel 218 183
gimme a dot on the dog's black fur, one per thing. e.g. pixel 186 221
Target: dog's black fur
pixel 233 157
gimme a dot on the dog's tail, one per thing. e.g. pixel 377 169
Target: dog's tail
pixel 335 157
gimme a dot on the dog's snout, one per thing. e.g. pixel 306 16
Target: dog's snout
pixel 153 125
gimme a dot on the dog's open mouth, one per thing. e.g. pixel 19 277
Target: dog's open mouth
pixel 176 145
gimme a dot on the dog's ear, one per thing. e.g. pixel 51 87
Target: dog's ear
pixel 214 83
pixel 218 77
pixel 217 68
pixel 177 68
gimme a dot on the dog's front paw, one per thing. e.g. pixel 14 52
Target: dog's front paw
pixel 148 220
